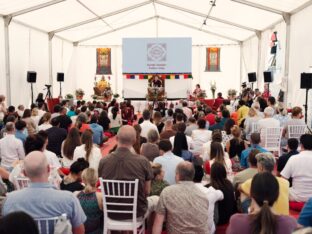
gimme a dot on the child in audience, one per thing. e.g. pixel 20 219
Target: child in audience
pixel 158 183
pixel 91 202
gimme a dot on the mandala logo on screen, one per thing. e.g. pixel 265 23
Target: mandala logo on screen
pixel 156 52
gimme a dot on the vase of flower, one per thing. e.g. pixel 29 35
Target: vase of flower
pixel 79 94
pixel 232 94
pixel 213 88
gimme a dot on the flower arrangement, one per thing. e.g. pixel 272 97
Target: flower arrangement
pixel 107 93
pixel 79 94
pixel 232 93
pixel 69 96
pixel 213 88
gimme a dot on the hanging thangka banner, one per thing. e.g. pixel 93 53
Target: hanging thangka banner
pixel 212 59
pixel 103 61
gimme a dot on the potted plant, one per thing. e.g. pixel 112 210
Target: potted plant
pixel 69 96
pixel 79 94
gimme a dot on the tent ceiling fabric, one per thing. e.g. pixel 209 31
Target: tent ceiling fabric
pixel 78 20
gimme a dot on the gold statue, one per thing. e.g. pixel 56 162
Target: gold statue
pixel 102 84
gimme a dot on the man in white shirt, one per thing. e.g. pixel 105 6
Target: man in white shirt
pixel 298 168
pixel 200 136
pixel 11 148
pixel 168 160
pixel 212 194
pixel 186 110
pixel 147 125
pixel 268 121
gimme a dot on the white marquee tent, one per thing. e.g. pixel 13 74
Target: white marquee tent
pixel 61 36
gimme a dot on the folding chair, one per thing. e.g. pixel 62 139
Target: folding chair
pixel 296 131
pixel 254 127
pixel 47 225
pixel 120 197
pixel 271 139
pixel 21 182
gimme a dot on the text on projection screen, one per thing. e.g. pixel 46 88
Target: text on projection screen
pixel 156 56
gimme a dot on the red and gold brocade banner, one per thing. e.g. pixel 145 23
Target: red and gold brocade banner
pixel 213 59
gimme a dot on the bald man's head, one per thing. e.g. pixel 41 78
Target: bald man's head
pixel 36 166
pixel 185 171
pixel 126 136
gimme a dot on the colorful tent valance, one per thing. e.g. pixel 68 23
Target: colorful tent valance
pixel 162 76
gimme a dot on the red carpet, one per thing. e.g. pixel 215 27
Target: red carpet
pixel 108 146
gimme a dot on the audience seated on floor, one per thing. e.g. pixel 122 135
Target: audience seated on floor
pixel 168 160
pixel 72 182
pixel 11 148
pixel 213 196
pixel 298 168
pixel 218 180
pixel 264 192
pixel 88 150
pixel 44 201
pixel 255 140
pixel 266 163
pixel 158 183
pixel 178 203
pixel 249 172
pixel 150 149
pixel 168 147
pixel 68 147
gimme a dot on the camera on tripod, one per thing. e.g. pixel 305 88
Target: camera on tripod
pixel 48 95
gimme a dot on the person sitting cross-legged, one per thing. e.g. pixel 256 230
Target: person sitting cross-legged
pixel 266 163
pixel 72 182
pixel 249 172
pixel 11 148
pixel 299 169
pixel 147 125
pixel 292 149
pixel 168 160
pixel 255 141
pixel 214 195
pixel 41 199
pixel 264 193
pixel 183 206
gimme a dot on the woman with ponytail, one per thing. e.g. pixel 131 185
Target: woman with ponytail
pixel 91 202
pixel 261 219
pixel 115 120
pixel 89 151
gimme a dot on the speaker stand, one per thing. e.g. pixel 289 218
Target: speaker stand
pixel 60 89
pixel 269 89
pixel 252 85
pixel 32 93
pixel 306 107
